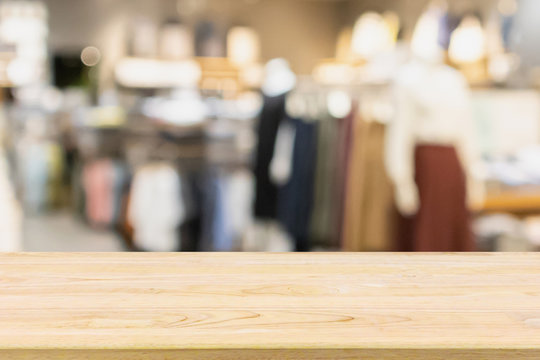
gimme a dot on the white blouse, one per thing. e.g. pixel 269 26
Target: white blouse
pixel 156 208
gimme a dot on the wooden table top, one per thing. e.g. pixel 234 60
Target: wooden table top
pixel 269 306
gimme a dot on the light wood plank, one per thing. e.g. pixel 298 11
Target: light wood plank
pixel 269 306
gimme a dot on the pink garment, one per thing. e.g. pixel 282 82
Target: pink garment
pixel 98 178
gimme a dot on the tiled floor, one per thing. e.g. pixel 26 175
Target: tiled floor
pixel 64 232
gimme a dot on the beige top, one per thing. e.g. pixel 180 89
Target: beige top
pixel 261 306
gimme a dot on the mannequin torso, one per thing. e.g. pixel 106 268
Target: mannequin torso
pixel 432 107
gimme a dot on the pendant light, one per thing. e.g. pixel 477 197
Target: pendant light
pixel 468 42
pixel 243 46
pixel 371 35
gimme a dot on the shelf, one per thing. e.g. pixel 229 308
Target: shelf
pixel 515 202
pixel 269 306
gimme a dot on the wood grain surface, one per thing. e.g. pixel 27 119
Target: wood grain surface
pixel 269 306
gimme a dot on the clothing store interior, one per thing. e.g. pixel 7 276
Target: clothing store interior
pixel 269 125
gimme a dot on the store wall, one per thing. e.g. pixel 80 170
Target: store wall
pixel 74 25
pixel 527 32
pixel 303 31
pixel 410 10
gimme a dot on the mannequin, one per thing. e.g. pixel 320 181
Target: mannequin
pixel 278 78
pixel 274 151
pixel 291 168
pixel 433 121
pixel 277 82
pixel 294 162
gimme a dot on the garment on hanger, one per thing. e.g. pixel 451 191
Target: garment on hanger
pixel 98 180
pixel 120 178
pixel 55 165
pixel 322 227
pixel 266 192
pixel 191 230
pixel 295 199
pixel 155 208
pixel 77 189
pixel 33 170
pixel 216 235
pixel 238 204
pixel 226 209
pixel 369 213
pixel 125 228
pixel 344 146
pixel 11 215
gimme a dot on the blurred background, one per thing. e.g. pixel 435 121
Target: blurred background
pixel 269 125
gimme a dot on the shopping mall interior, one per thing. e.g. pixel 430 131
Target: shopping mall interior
pixel 269 125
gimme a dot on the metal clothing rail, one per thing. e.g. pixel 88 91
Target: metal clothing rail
pixel 269 306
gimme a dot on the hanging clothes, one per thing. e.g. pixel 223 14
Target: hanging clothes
pixel 77 189
pixel 238 205
pixel 155 208
pixel 34 172
pixel 216 234
pixel 443 220
pixel 125 228
pixel 120 178
pixel 322 229
pixel 191 230
pixel 11 214
pixel 333 149
pixel 104 187
pixel 296 197
pixel 98 179
pixel 266 192
pixel 55 165
pixel 369 212
pixel 227 210
pixel 344 146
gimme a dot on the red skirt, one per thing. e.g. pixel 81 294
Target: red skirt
pixel 443 222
